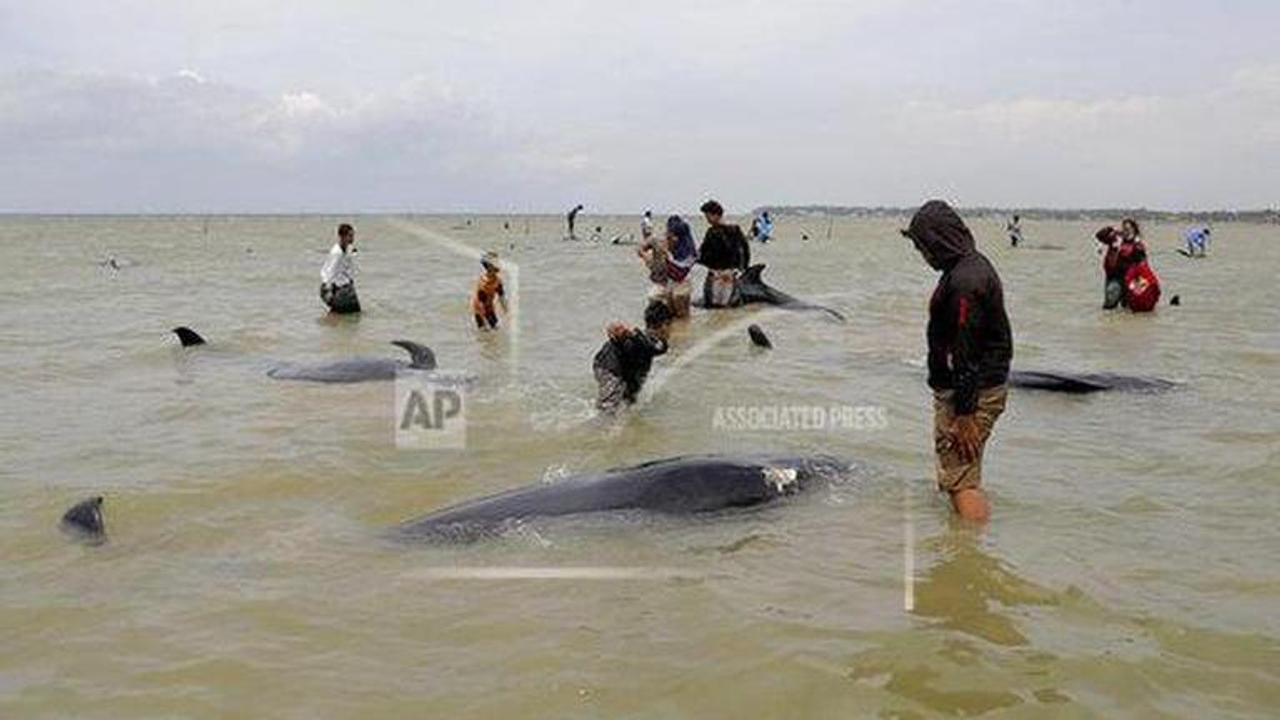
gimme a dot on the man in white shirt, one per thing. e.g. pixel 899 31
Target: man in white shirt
pixel 338 276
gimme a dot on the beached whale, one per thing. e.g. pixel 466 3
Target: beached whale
pixel 751 288
pixel 1080 383
pixel 679 485
pixel 353 370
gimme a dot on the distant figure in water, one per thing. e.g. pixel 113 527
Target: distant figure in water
pixel 338 276
pixel 762 227
pixel 598 234
pixel 1197 241
pixel 725 254
pixel 1014 228
pixel 646 226
pixel 572 217
pixel 622 364
pixel 970 346
pixel 488 292
pixel 1130 281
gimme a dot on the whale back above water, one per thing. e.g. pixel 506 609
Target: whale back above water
pixel 1083 383
pixel 679 485
pixel 354 370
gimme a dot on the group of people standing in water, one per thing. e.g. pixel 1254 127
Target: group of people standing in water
pixel 969 338
pixel 624 361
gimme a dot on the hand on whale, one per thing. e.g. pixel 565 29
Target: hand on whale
pixel 1081 383
pixel 678 485
pixel 353 370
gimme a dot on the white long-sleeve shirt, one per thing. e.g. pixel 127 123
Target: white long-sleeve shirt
pixel 339 268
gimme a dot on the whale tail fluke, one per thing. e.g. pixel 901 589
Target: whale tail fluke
pixel 423 357
pixel 84 520
pixel 188 337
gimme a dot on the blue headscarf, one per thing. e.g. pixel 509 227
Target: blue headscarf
pixel 684 247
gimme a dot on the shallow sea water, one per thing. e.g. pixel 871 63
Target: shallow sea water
pixel 1130 569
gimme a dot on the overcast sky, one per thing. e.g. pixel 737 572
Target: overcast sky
pixel 282 105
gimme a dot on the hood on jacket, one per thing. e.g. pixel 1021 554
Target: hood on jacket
pixel 940 235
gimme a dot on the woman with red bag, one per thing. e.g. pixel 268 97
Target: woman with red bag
pixel 1130 281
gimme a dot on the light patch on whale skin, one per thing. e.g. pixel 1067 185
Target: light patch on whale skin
pixel 783 480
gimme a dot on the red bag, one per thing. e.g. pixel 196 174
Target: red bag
pixel 1142 288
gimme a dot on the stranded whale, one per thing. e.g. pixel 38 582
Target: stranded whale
pixel 1080 383
pixel 679 485
pixel 751 288
pixel 354 370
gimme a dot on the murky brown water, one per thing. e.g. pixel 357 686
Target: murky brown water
pixel 1131 568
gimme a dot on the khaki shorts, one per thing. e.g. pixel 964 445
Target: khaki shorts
pixel 954 472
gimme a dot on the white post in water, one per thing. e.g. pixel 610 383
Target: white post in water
pixel 908 550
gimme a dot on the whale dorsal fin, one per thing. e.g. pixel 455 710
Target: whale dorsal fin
pixel 85 518
pixel 187 336
pixel 423 358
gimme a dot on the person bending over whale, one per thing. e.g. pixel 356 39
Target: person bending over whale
pixel 970 346
pixel 622 363
pixel 338 276
pixel 725 254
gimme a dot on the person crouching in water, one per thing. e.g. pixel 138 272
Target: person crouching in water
pixel 488 291
pixel 1125 264
pixel 338 276
pixel 725 254
pixel 970 346
pixel 622 364
pixel 682 253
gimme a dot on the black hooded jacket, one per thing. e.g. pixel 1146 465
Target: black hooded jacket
pixel 970 343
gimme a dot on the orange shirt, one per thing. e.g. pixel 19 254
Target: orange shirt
pixel 491 286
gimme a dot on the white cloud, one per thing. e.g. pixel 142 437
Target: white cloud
pixel 510 105
pixel 93 142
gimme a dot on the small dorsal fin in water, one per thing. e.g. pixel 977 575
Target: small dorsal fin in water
pixel 84 519
pixel 423 358
pixel 187 336
pixel 758 337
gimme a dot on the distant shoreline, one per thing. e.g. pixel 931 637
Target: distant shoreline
pixel 1270 216
pixel 1140 214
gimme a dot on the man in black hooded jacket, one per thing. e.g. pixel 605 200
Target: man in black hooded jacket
pixel 970 346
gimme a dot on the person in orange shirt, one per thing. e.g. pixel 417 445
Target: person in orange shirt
pixel 488 292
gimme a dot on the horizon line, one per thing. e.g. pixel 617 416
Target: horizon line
pixel 808 207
